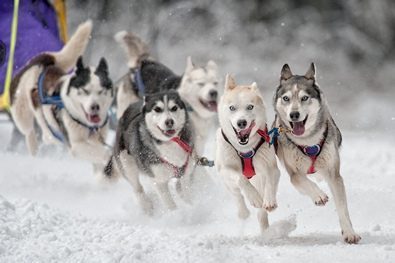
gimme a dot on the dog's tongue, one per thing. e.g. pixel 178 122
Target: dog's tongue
pixel 94 118
pixel 212 106
pixel 298 128
pixel 247 131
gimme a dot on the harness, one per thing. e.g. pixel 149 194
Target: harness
pixel 247 157
pixel 179 171
pixel 57 104
pixel 312 151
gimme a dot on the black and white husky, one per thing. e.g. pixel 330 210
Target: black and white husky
pixel 312 143
pixel 154 138
pixel 68 108
pixel 198 86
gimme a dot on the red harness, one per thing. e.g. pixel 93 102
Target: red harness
pixel 179 171
pixel 246 158
pixel 313 152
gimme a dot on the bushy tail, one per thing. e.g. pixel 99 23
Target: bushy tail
pixel 135 48
pixel 75 47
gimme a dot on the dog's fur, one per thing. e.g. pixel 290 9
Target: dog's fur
pixel 144 140
pixel 86 94
pixel 261 189
pixel 300 106
pixel 198 86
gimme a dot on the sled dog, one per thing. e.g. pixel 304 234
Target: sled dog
pixel 244 157
pixel 69 109
pixel 154 138
pixel 312 142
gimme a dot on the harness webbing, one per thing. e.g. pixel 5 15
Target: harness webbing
pixel 44 98
pixel 247 158
pixel 179 171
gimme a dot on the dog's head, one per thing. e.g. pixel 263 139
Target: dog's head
pixel 199 87
pixel 241 111
pixel 165 115
pixel 89 93
pixel 297 101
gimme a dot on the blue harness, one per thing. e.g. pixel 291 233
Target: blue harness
pixel 139 83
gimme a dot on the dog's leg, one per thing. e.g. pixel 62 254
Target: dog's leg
pixel 263 219
pixel 84 150
pixel 271 185
pixel 335 182
pixel 308 187
pixel 46 134
pixel 183 188
pixel 130 171
pixel 163 190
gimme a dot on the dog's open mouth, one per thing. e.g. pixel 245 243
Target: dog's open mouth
pixel 168 132
pixel 298 127
pixel 243 136
pixel 211 105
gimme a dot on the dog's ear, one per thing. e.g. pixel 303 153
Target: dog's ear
pixel 80 65
pixel 102 67
pixel 286 72
pixel 211 65
pixel 254 86
pixel 190 65
pixel 310 74
pixel 229 82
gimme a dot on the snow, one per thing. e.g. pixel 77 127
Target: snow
pixel 52 209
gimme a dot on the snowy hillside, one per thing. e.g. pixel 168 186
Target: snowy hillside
pixel 52 209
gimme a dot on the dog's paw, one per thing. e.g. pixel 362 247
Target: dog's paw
pixel 254 197
pixel 270 204
pixel 321 199
pixel 351 237
pixel 146 204
pixel 48 139
pixel 243 213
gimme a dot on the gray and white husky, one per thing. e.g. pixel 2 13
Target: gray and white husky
pixel 78 115
pixel 154 138
pixel 198 86
pixel 244 157
pixel 312 142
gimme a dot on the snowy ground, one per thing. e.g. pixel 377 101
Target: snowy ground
pixel 52 209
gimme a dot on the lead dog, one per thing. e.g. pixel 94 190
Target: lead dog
pixel 78 103
pixel 313 143
pixel 154 139
pixel 244 157
pixel 198 86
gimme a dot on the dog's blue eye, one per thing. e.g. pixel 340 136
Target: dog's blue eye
pixel 305 98
pixel 286 98
pixel 215 83
pixel 174 108
pixel 86 92
pixel 158 110
pixel 232 108
pixel 250 107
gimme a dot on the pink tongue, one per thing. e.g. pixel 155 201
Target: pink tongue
pixel 94 118
pixel 248 130
pixel 298 128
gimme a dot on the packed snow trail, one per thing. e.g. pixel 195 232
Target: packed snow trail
pixel 52 209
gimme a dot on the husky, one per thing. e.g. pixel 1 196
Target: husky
pixel 198 86
pixel 154 138
pixel 312 143
pixel 69 109
pixel 244 157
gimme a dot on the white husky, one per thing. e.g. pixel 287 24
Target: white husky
pixel 68 108
pixel 244 157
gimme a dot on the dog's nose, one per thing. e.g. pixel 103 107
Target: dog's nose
pixel 294 115
pixel 169 123
pixel 242 124
pixel 95 107
pixel 213 94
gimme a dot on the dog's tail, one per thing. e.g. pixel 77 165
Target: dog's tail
pixel 67 57
pixel 135 48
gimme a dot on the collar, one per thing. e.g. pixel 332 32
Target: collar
pixel 92 129
pixel 246 157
